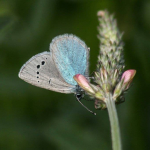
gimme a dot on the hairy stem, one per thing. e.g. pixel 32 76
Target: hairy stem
pixel 114 123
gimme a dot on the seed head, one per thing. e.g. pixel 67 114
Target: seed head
pixel 109 77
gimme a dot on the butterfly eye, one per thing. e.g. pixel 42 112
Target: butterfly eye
pixel 37 72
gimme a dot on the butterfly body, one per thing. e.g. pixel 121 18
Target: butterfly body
pixel 54 70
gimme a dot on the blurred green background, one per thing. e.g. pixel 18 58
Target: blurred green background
pixel 34 118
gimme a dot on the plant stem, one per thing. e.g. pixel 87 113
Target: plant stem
pixel 114 123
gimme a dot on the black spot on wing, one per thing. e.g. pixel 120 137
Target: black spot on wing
pixel 49 81
pixel 38 66
pixel 43 62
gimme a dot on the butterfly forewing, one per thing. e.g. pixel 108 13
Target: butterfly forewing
pixel 70 55
pixel 41 71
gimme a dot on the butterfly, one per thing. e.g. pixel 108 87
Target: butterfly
pixel 54 70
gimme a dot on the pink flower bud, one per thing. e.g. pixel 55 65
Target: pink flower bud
pixel 128 76
pixel 100 13
pixel 83 83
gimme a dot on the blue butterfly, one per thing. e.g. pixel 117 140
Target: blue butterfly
pixel 54 70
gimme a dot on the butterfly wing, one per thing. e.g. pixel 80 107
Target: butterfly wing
pixel 40 71
pixel 70 55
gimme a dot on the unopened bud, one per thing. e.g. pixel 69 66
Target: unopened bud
pixel 124 84
pixel 100 13
pixel 83 83
pixel 128 76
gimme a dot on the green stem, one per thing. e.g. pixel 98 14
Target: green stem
pixel 114 123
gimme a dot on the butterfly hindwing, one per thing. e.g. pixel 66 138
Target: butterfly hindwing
pixel 70 55
pixel 41 71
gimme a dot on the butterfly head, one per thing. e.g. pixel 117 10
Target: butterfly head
pixel 79 92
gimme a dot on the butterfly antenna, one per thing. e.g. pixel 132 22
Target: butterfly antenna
pixel 85 106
